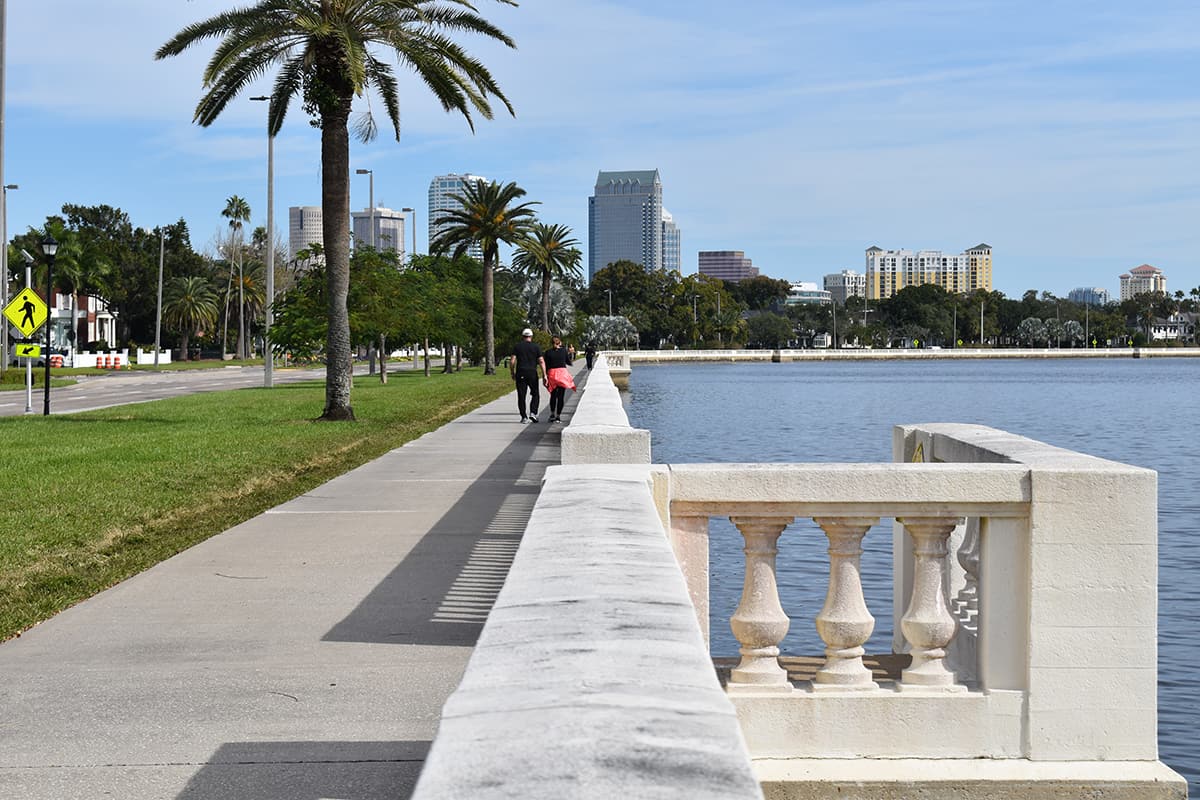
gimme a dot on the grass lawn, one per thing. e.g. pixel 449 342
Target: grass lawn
pixel 90 499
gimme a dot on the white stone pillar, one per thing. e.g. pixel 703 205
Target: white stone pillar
pixel 845 624
pixel 928 624
pixel 759 624
pixel 689 540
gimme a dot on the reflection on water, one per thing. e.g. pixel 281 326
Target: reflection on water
pixel 1142 412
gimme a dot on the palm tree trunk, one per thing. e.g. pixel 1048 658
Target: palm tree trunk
pixel 489 309
pixel 225 318
pixel 546 300
pixel 241 344
pixel 335 230
pixel 383 358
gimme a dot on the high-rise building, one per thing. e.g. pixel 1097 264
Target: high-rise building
pixel 625 220
pixel 389 229
pixel 728 265
pixel 889 271
pixel 441 191
pixel 671 251
pixel 304 228
pixel 846 283
pixel 1141 280
pixel 1090 296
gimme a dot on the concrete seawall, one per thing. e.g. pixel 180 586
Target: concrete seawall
pixel 895 354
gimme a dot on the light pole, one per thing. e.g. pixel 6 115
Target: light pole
pixel 371 198
pixel 268 313
pixel 162 248
pixel 49 248
pixel 609 301
pixel 981 323
pixel 4 260
pixel 413 212
pixel 954 333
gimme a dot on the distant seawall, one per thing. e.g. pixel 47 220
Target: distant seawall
pixel 900 354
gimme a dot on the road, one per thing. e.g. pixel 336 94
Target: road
pixel 120 388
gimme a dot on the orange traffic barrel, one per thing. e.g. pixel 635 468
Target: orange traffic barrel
pixel 56 361
pixel 116 362
pixel 102 361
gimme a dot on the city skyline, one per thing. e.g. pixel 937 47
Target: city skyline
pixel 1066 137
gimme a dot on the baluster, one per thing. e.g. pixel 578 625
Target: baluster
pixel 844 623
pixel 967 602
pixel 928 624
pixel 759 623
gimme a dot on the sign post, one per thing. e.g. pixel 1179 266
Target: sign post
pixel 28 312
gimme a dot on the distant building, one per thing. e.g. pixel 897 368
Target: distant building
pixel 1089 296
pixel 625 220
pixel 889 271
pixel 304 228
pixel 1179 327
pixel 846 283
pixel 1141 280
pixel 441 191
pixel 728 265
pixel 389 229
pixel 671 253
pixel 808 293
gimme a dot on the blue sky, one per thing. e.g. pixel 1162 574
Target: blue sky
pixel 1064 134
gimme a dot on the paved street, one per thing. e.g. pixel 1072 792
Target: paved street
pixel 119 388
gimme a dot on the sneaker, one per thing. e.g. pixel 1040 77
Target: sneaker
pixel 533 417
pixel 524 420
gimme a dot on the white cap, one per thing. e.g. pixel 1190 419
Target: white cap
pixel 527 332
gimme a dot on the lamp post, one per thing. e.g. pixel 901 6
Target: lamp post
pixel 4 269
pixel 162 248
pixel 49 248
pixel 371 198
pixel 954 333
pixel 268 313
pixel 609 301
pixel 413 212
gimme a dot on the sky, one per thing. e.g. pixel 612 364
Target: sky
pixel 1066 135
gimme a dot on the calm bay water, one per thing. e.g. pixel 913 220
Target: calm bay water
pixel 1142 412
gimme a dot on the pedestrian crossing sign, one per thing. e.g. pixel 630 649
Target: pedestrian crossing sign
pixel 27 312
pixel 25 350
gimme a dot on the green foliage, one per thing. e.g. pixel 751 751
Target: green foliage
pixel 767 329
pixel 760 292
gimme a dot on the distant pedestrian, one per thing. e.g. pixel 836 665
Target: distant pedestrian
pixel 590 354
pixel 525 364
pixel 558 377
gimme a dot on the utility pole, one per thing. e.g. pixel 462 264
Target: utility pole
pixel 162 247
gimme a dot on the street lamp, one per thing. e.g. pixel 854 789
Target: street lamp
pixel 4 271
pixel 268 313
pixel 412 211
pixel 609 301
pixel 372 199
pixel 162 248
pixel 49 248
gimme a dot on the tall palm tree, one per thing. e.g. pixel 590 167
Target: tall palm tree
pixel 549 253
pixel 189 305
pixel 78 269
pixel 323 52
pixel 237 211
pixel 487 217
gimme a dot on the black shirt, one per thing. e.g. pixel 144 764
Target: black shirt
pixel 557 357
pixel 527 355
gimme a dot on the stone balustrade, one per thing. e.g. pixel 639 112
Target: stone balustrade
pixel 1024 630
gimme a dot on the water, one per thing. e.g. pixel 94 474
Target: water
pixel 1142 412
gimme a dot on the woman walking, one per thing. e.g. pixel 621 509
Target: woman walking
pixel 558 377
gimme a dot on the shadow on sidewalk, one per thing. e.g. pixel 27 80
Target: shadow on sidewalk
pixel 442 591
pixel 309 771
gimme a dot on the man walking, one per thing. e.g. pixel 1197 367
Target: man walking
pixel 525 365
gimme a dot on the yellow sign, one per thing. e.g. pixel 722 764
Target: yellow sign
pixel 27 311
pixel 919 455
pixel 29 351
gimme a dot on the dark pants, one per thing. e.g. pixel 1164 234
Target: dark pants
pixel 590 358
pixel 528 379
pixel 557 398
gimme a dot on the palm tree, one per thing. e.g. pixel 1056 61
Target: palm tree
pixel 487 217
pixel 189 305
pixel 549 253
pixel 322 49
pixel 78 269
pixel 237 211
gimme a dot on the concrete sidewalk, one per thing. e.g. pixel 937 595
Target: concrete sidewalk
pixel 304 654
